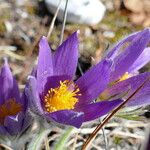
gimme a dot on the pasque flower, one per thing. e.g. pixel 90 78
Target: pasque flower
pixel 128 56
pixel 56 96
pixel 13 116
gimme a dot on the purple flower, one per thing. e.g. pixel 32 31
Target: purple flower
pixel 13 117
pixel 128 56
pixel 56 96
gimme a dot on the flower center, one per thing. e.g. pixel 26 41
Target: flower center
pixel 62 97
pixel 9 108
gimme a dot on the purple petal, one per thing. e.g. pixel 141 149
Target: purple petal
pixel 66 57
pixel 33 96
pixel 44 67
pixel 53 82
pixel 124 60
pixel 93 82
pixel 67 117
pixel 9 87
pixel 140 100
pixel 142 60
pixel 127 87
pixel 13 124
pixel 114 52
pixel 142 97
pixel 96 110
pixel 34 71
pixel 3 130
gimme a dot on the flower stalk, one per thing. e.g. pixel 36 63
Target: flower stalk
pixel 37 140
pixel 62 141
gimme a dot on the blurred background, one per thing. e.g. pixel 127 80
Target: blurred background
pixel 102 23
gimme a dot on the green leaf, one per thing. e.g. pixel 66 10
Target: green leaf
pixel 131 113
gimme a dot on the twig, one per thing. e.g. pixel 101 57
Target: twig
pixel 86 131
pixel 109 116
pixel 29 54
pixel 79 67
pixel 104 136
pixel 46 144
pixel 8 48
pixel 53 20
pixel 92 144
pixel 75 141
pixel 127 135
pixel 64 22
pixel 26 66
pixel 5 146
pixel 12 54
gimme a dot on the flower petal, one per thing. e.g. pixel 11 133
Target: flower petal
pixel 33 96
pixel 44 67
pixel 142 60
pixel 13 124
pixel 93 82
pixel 67 117
pixel 34 71
pixel 9 87
pixel 3 130
pixel 53 82
pixel 96 110
pixel 142 97
pixel 112 53
pixel 127 87
pixel 124 60
pixel 66 57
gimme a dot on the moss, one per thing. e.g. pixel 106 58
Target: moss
pixel 4 15
pixel 2 27
pixel 31 9
pixel 119 24
pixel 117 140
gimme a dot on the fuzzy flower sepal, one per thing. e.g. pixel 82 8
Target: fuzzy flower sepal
pixel 54 94
pixel 14 118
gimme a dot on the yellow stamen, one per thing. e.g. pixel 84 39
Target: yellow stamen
pixel 9 108
pixel 104 95
pixel 125 76
pixel 62 97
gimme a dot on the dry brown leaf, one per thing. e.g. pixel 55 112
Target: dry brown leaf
pixel 135 6
pixel 147 6
pixel 137 18
pixel 147 22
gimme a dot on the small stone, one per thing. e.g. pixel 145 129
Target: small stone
pixel 20 2
pixel 137 18
pixel 147 6
pixel 8 26
pixel 79 11
pixel 109 34
pixel 147 22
